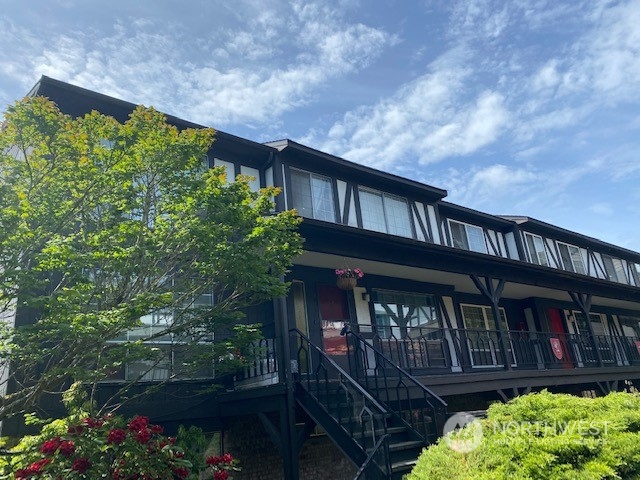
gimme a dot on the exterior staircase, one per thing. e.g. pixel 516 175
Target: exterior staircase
pixel 382 427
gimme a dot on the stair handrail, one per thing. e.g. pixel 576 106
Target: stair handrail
pixel 436 404
pixel 347 377
pixel 383 441
pixel 370 403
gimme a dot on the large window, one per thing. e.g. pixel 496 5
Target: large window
pixel 537 252
pixel 571 258
pixel 174 357
pixel 312 195
pixel 400 314
pixel 385 213
pixel 467 236
pixel 614 269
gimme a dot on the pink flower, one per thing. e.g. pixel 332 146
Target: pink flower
pixel 349 273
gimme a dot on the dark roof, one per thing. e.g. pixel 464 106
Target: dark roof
pixel 348 167
pixel 538 226
pixel 77 101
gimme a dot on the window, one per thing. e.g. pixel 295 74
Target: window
pixel 630 325
pixel 385 213
pixel 170 350
pixel 537 252
pixel 254 183
pixel 312 195
pixel 635 271
pixel 468 237
pixel 229 169
pixel 482 337
pixel 571 258
pixel 401 315
pixel 614 269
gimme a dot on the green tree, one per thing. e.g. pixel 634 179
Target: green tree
pixel 543 436
pixel 103 224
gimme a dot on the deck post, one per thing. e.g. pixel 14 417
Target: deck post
pixel 493 293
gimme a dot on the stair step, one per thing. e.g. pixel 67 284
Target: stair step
pixel 403 465
pixel 396 446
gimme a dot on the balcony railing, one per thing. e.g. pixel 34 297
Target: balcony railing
pixel 441 350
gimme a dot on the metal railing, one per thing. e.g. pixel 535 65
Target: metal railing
pixel 378 455
pixel 441 350
pixel 351 408
pixel 419 408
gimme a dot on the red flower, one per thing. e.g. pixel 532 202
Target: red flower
pixel 156 429
pixel 93 423
pixel 67 448
pixel 227 458
pixel 75 430
pixel 49 447
pixel 221 475
pixel 116 436
pixel 138 423
pixel 181 472
pixel 143 436
pixel 34 469
pixel 81 465
pixel 213 460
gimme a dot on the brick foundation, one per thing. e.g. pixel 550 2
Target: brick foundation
pixel 247 440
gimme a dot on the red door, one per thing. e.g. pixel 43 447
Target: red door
pixel 559 345
pixel 334 312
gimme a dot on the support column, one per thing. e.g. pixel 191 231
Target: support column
pixel 289 435
pixel 583 301
pixel 493 293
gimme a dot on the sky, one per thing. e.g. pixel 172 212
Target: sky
pixel 519 107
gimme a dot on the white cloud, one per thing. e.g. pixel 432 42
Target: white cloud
pixel 139 61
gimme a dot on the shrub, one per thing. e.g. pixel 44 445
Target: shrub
pixel 108 447
pixel 545 436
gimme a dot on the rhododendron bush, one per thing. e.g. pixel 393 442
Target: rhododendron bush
pixel 108 447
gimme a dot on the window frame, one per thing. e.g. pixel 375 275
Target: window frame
pixel 451 221
pixel 614 275
pixel 310 177
pixel 573 268
pixel 536 253
pixel 496 350
pixel 384 198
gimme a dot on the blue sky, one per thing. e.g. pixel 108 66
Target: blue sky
pixel 523 107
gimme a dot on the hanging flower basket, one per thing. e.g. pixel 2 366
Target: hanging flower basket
pixel 346 283
pixel 348 277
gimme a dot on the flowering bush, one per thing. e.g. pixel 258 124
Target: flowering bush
pixel 222 465
pixel 111 448
pixel 349 273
